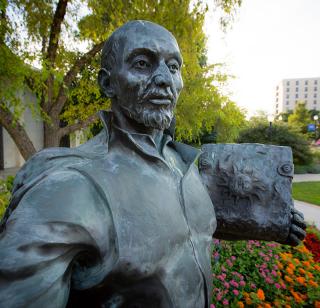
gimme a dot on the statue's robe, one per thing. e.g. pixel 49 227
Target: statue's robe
pixel 112 223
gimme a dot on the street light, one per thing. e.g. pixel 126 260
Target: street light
pixel 315 118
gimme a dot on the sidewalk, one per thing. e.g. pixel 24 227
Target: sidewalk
pixel 311 212
pixel 308 177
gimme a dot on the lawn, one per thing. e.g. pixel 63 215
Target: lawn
pixel 307 191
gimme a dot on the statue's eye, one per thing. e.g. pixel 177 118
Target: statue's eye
pixel 173 68
pixel 141 64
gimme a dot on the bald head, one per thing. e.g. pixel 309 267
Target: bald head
pixel 132 30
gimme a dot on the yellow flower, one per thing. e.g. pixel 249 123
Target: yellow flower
pixel 260 294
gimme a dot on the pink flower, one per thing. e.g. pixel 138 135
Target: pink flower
pixel 277 285
pixel 225 302
pixel 233 258
pixel 234 283
pixel 269 280
pixel 235 292
pixel 242 283
pixel 223 268
pixel 267 259
pixel 226 285
pixel 219 297
pixel 212 306
pixel 253 286
pixel 229 262
pixel 274 273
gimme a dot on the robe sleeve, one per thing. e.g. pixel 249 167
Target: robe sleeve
pixel 60 236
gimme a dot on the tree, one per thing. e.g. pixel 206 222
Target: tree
pixel 280 134
pixel 47 34
pixel 300 118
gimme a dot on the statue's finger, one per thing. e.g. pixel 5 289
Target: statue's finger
pixel 298 220
pixel 300 233
pixel 295 211
pixel 293 240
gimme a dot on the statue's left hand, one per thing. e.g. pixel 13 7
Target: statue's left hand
pixel 297 229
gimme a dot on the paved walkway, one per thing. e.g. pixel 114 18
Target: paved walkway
pixel 311 212
pixel 306 177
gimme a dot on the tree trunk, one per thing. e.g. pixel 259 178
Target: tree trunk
pixel 17 133
pixel 51 135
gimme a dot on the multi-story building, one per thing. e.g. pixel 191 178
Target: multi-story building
pixel 291 91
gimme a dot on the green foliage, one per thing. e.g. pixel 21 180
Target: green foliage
pixel 279 134
pixel 201 105
pixel 300 118
pixel 5 193
pixel 307 192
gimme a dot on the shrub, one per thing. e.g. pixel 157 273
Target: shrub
pixel 5 193
pixel 279 134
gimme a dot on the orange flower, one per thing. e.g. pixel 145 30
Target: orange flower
pixel 287 278
pixel 260 294
pixel 291 266
pixel 313 284
pixel 267 305
pixel 306 263
pixel 296 296
pixel 289 270
pixel 310 275
pixel 316 304
pixel 302 271
pixel 287 306
pixel 316 267
pixel 240 304
pixel 280 265
pixel 248 301
pixel 301 280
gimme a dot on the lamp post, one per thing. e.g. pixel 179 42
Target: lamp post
pixel 270 120
pixel 315 118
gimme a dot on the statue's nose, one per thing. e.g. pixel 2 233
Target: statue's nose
pixel 162 76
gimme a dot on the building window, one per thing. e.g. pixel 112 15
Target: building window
pixel 277 99
pixel 306 82
pixel 287 102
pixel 277 94
pixel 315 89
pixel 306 89
pixel 277 88
pixel 315 102
pixel 297 89
pixel 306 96
pixel 297 95
pixel 296 102
pixel 316 82
pixel 288 89
pixel 277 105
pixel 297 82
pixel 288 83
pixel 315 95
pixel 287 95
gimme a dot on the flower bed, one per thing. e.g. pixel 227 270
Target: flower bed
pixel 265 274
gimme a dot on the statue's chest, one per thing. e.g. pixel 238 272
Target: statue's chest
pixel 154 211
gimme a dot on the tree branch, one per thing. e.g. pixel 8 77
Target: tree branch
pixel 55 30
pixel 81 124
pixel 70 76
pixel 17 133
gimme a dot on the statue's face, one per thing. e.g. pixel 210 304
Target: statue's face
pixel 147 81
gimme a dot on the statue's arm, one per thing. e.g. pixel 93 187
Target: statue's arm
pixel 58 221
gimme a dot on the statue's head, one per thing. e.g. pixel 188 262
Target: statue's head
pixel 141 73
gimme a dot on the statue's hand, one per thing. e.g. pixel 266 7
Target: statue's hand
pixel 297 229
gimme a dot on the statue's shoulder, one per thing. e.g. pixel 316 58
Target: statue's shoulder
pixel 52 163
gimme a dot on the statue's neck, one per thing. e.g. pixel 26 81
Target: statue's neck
pixel 131 126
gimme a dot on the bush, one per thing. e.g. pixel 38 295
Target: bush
pixel 260 274
pixel 5 193
pixel 279 135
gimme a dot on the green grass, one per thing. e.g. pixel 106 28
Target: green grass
pixel 307 192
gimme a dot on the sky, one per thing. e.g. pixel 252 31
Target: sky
pixel 270 40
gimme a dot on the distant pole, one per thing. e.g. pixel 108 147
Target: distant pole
pixel 270 120
pixel 315 118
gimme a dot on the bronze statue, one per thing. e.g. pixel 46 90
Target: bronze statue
pixel 123 220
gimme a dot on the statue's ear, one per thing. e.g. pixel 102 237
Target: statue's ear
pixel 105 84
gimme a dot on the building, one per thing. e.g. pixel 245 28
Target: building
pixel 291 91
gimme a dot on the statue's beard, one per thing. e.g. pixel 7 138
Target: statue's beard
pixel 158 117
